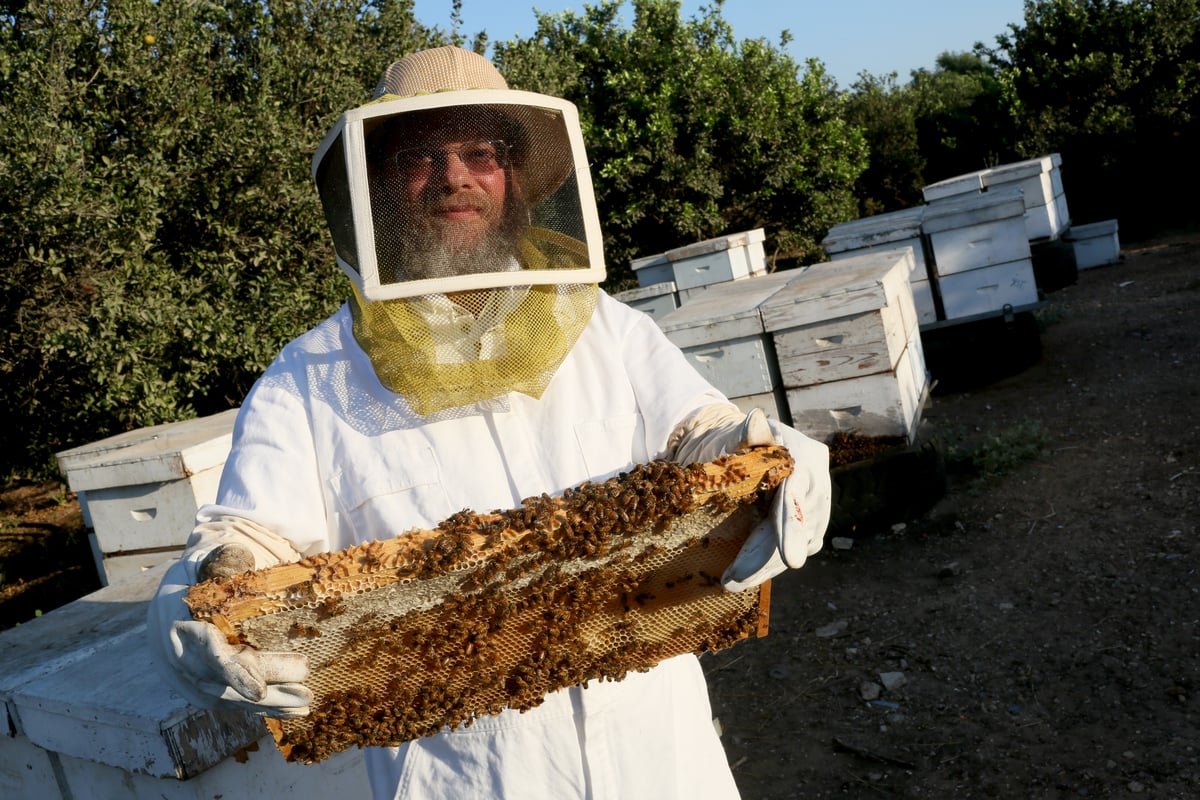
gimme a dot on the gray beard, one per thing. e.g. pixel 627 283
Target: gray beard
pixel 434 259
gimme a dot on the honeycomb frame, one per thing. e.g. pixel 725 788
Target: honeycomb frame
pixel 434 628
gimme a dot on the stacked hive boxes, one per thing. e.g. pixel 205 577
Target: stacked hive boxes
pixel 981 255
pixel 723 337
pixel 832 347
pixel 889 231
pixel 1039 180
pixel 669 280
pixel 847 337
pixel 139 491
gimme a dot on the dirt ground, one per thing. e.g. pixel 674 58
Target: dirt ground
pixel 1035 635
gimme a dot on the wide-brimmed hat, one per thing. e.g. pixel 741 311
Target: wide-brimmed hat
pixel 548 161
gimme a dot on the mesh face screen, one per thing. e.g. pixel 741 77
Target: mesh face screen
pixel 334 190
pixel 449 190
pixel 405 636
pixel 453 191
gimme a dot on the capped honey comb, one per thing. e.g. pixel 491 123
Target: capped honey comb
pixel 434 628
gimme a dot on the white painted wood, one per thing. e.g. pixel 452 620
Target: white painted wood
pixel 717 260
pixel 1095 244
pixel 158 453
pixel 729 311
pixel 740 366
pixel 773 404
pixel 656 300
pixel 843 288
pixel 846 347
pixel 897 228
pixel 262 772
pixel 26 772
pixel 127 566
pixel 970 183
pixel 150 515
pixel 923 302
pixel 651 270
pixel 709 268
pixel 977 232
pixel 989 289
pixel 1044 222
pixel 86 716
pixel 882 404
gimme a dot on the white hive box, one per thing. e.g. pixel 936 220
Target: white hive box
pixel 84 714
pixel 652 270
pixel 888 231
pixel 140 490
pixel 989 290
pixel 1040 182
pixel 847 338
pixel 718 260
pixel 1094 244
pixel 975 231
pixel 657 300
pixel 721 334
pixel 969 183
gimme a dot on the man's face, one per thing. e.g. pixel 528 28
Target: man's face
pixel 442 186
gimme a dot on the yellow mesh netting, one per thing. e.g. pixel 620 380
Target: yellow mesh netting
pixel 442 352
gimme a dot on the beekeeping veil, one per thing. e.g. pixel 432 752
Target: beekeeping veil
pixel 462 212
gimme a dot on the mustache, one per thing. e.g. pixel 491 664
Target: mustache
pixel 465 198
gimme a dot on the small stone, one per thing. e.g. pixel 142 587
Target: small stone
pixel 842 542
pixel 1137 787
pixel 869 690
pixel 950 570
pixel 832 629
pixel 892 680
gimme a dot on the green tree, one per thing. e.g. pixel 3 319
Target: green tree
pixel 887 115
pixel 962 120
pixel 162 239
pixel 692 133
pixel 1113 86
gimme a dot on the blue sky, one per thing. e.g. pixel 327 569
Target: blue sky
pixel 848 36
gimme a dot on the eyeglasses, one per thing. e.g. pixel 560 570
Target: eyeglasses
pixel 480 157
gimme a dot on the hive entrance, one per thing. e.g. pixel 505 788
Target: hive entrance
pixel 490 611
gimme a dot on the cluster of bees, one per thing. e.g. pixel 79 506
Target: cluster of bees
pixel 554 593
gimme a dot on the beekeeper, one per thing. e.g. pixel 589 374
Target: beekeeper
pixel 476 363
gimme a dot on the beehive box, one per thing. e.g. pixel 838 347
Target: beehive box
pixel 140 490
pixel 1039 180
pixel 652 270
pixel 882 404
pixel 85 714
pixel 1094 244
pixel 721 334
pixel 847 339
pixel 989 290
pixel 656 300
pixel 718 260
pixel 966 184
pixel 975 231
pixel 889 231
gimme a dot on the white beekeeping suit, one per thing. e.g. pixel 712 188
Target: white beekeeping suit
pixel 476 364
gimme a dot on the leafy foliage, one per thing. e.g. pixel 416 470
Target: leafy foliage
pixel 162 238
pixel 1114 86
pixel 693 134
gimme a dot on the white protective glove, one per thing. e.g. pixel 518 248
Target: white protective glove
pixel 194 657
pixel 800 508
